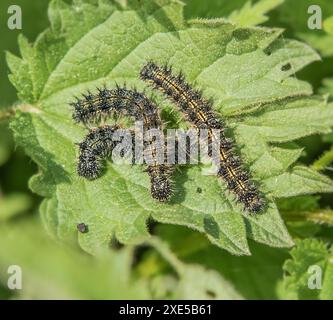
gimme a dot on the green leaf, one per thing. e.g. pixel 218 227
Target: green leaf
pixel 254 14
pixel 51 271
pixel 309 253
pixel 259 101
pixel 324 160
pixel 118 36
pixel 68 25
pixel 293 119
pixel 301 180
pixel 242 12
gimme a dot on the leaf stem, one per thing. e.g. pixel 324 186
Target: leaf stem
pixel 324 161
pixel 320 216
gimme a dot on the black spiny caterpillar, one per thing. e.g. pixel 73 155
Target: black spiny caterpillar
pixel 127 102
pixel 122 101
pixel 96 146
pixel 199 112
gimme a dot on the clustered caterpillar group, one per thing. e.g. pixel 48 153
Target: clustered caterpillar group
pixel 199 112
pixel 98 144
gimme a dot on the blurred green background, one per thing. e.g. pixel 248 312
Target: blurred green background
pixel 54 271
pixel 15 168
pixel 34 21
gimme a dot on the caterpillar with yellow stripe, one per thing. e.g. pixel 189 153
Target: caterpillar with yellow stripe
pixel 98 143
pixel 199 112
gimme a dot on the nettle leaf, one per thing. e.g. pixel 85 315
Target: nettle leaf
pixel 249 73
pixel 254 14
pixel 251 13
pixel 69 23
pixel 309 272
